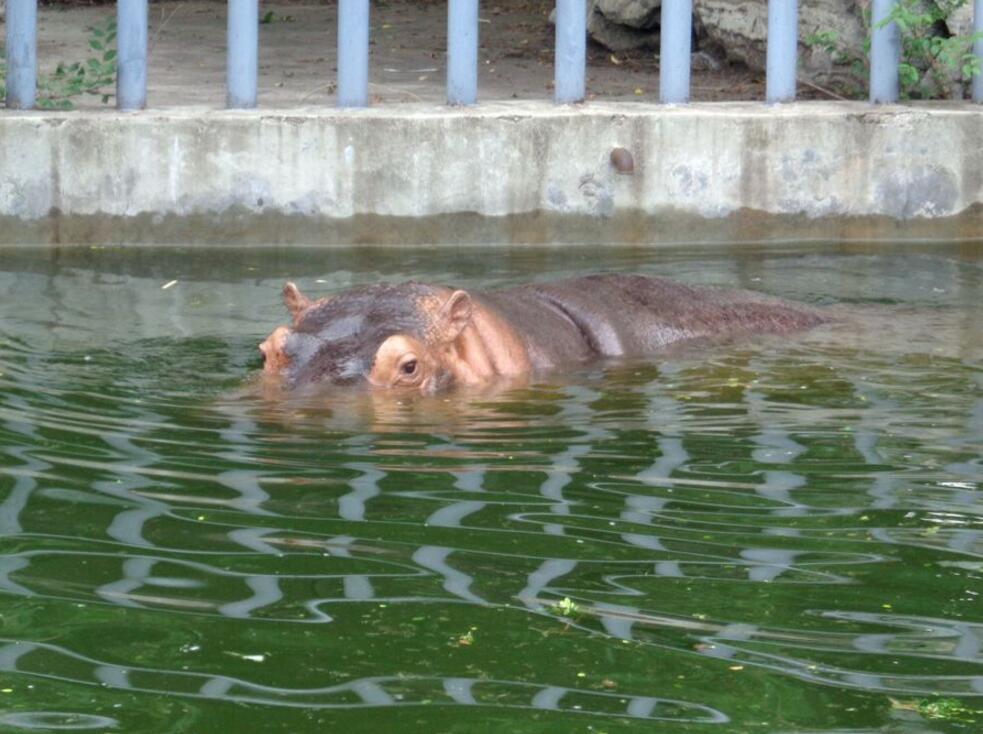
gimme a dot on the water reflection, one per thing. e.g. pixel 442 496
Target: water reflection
pixel 35 659
pixel 57 721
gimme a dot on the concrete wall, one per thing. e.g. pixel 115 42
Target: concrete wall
pixel 509 172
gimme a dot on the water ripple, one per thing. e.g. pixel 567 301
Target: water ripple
pixel 784 535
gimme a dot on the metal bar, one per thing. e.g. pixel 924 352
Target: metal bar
pixel 675 48
pixel 885 55
pixel 462 52
pixel 571 51
pixel 978 50
pixel 783 49
pixel 242 61
pixel 353 53
pixel 22 54
pixel 131 39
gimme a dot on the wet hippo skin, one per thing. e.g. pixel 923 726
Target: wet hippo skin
pixel 424 338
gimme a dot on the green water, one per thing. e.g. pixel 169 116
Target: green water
pixel 777 536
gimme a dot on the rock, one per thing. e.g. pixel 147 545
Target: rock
pixel 704 61
pixel 618 37
pixel 736 31
pixel 613 35
pixel 739 28
pixel 641 14
pixel 960 21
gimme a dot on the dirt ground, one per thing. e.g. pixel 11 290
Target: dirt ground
pixel 408 37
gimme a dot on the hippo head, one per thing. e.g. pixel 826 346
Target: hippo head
pixel 382 336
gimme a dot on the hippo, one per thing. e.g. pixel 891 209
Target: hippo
pixel 425 338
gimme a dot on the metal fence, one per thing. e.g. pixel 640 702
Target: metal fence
pixel 462 52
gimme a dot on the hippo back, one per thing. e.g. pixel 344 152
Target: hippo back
pixel 631 315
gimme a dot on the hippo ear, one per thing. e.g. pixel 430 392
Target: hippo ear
pixel 454 315
pixel 294 300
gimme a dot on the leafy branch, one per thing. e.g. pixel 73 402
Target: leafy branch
pixel 57 89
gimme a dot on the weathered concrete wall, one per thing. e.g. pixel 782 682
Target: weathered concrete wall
pixel 496 173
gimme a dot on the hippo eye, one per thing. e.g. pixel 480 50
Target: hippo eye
pixel 408 368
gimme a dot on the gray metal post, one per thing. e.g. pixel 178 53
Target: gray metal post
pixel 242 60
pixel 783 49
pixel 885 55
pixel 978 50
pixel 675 48
pixel 462 52
pixel 131 40
pixel 22 53
pixel 353 53
pixel 571 51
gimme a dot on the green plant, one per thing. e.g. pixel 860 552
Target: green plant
pixel 932 64
pixel 948 709
pixel 566 607
pixel 944 709
pixel 56 90
pixel 829 42
pixel 270 17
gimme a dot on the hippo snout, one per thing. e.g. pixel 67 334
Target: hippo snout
pixel 301 358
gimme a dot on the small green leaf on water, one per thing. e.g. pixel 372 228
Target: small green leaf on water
pixel 948 709
pixel 566 607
